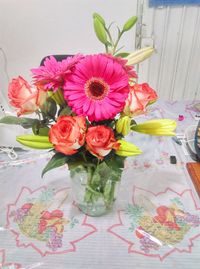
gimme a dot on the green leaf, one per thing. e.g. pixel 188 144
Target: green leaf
pixel 57 160
pixel 129 23
pixel 40 128
pixel 43 131
pixel 24 122
pixel 115 162
pixel 100 31
pixel 122 54
pixel 65 111
pixel 49 108
pixel 133 122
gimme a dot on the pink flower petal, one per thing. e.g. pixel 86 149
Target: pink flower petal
pixel 109 84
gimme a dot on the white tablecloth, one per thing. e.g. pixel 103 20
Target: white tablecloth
pixel 152 191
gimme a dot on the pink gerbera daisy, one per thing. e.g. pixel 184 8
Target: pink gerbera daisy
pixel 97 88
pixel 53 74
pixel 128 68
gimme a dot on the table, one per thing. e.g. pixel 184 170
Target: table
pixel 151 189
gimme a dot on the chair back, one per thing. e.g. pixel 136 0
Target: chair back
pixel 58 57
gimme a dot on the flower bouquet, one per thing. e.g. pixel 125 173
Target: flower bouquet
pixel 85 106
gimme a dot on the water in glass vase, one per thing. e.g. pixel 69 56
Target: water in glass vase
pixel 94 188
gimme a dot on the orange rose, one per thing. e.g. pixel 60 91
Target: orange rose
pixel 24 97
pixel 68 134
pixel 100 141
pixel 140 96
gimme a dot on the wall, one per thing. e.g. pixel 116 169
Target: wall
pixel 174 71
pixel 32 29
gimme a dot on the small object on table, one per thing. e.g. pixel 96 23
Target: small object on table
pixel 173 159
pixel 10 152
pixel 197 107
pixel 197 141
pixel 177 140
pixel 194 172
pixel 180 117
pixel 197 116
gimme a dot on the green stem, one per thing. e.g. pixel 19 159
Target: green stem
pixel 109 191
pixel 92 191
pixel 110 37
pixel 39 114
pixel 89 174
pixel 106 46
pixel 117 41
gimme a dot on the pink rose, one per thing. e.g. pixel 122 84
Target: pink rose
pixel 140 96
pixel 24 97
pixel 100 141
pixel 68 134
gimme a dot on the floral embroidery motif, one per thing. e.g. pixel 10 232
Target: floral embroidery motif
pixel 157 227
pixel 36 222
pixel 44 220
pixel 169 226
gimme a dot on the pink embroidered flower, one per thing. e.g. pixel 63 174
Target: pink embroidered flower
pixel 53 74
pixel 140 96
pixel 24 97
pixel 97 88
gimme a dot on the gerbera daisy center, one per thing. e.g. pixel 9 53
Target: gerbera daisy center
pixel 96 88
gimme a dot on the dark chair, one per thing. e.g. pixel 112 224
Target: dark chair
pixel 58 57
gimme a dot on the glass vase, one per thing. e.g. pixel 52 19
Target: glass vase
pixel 94 188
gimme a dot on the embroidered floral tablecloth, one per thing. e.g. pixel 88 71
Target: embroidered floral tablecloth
pixel 155 222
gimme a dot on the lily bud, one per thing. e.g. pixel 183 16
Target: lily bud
pixel 139 55
pixel 35 141
pixel 99 17
pixel 162 127
pixel 129 24
pixel 127 149
pixel 58 97
pixel 123 125
pixel 100 31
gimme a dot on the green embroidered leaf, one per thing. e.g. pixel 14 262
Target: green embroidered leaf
pixel 132 227
pixel 57 160
pixel 73 222
pixel 24 122
pixel 134 211
pixel 46 195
